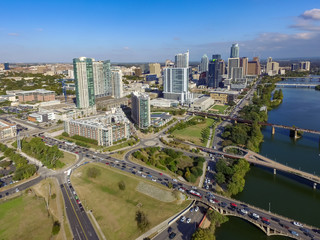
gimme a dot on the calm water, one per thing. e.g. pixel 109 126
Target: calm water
pixel 287 197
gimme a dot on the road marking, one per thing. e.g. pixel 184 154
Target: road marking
pixel 74 211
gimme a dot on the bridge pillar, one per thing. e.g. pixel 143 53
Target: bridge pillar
pixel 273 130
pixel 274 171
pixel 235 121
pixel 295 134
pixel 268 231
pixel 314 185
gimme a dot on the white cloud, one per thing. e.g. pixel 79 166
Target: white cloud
pixel 313 14
pixel 126 48
pixel 13 34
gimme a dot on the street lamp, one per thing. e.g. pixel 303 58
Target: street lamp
pixel 269 206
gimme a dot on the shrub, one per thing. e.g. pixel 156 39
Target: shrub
pixel 122 185
pixel 56 228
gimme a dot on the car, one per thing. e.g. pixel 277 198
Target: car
pixel 233 205
pixel 211 200
pixel 188 220
pixel 78 201
pixel 183 218
pixel 207 187
pixel 175 180
pixel 181 189
pixel 149 175
pixel 107 163
pixel 154 180
pixel 255 216
pixel 172 235
pixel 17 190
pixel 294 233
pixel 196 209
pixel 265 220
pixel 243 212
pixel 193 187
pixel 76 197
pixel 275 219
pixel 76 152
pixel 169 229
pixel 161 174
pixel 191 209
pixel 223 204
pixel 304 230
pixel 144 176
pixel 297 224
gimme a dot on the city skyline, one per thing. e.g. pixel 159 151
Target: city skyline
pixel 141 31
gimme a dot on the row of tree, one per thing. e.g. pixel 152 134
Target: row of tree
pixel 23 170
pixel 170 159
pixel 49 156
pixel 232 173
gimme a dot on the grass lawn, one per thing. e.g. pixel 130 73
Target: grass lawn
pixel 58 128
pixel 115 209
pixel 70 139
pixel 219 108
pixel 25 217
pixel 193 133
pixel 120 145
pixel 68 159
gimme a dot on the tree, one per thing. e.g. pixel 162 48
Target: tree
pixel 122 185
pixel 59 121
pixel 93 172
pixel 142 220
pixel 203 234
pixel 220 178
pixel 56 228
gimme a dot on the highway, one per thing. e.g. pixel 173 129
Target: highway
pixel 282 224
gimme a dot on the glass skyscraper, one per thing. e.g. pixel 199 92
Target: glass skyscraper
pixel 140 109
pixel 214 79
pixel 234 50
pixel 204 63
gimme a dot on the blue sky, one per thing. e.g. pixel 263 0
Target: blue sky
pixel 146 31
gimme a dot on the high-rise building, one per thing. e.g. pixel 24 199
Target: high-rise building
pixel 304 66
pixel 98 78
pixel 175 83
pixel 294 66
pixel 254 67
pixel 237 73
pixel 269 64
pixel 214 78
pixel 169 63
pixel 232 63
pixel 140 109
pixel 116 82
pixel 182 60
pixel 204 63
pixel 107 78
pixel 138 71
pixel 244 65
pixel 234 50
pixel 155 69
pixel 83 73
pixel 6 66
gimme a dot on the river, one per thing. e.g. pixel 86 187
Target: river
pixel 285 196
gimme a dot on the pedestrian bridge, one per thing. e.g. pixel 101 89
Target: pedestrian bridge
pixel 297 85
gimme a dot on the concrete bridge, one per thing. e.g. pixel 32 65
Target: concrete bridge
pixel 257 159
pixel 274 126
pixel 297 85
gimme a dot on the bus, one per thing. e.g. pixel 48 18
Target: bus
pixel 194 193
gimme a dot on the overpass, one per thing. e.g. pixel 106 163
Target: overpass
pixel 257 159
pixel 273 125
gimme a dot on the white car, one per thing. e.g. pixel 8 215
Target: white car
pixel 209 181
pixel 154 180
pixel 255 216
pixel 175 180
pixel 188 220
pixel 211 200
pixel 244 212
pixel 297 224
pixel 144 176
pixel 196 209
pixel 193 187
pixel 183 219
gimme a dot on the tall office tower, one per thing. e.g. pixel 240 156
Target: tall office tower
pixel 214 78
pixel 254 67
pixel 155 69
pixel 182 60
pixel 269 64
pixel 83 74
pixel 140 109
pixel 234 50
pixel 175 83
pixel 6 66
pixel 232 63
pixel 116 82
pixel 304 66
pixel 204 63
pixel 107 78
pixel 244 65
pixel 237 73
